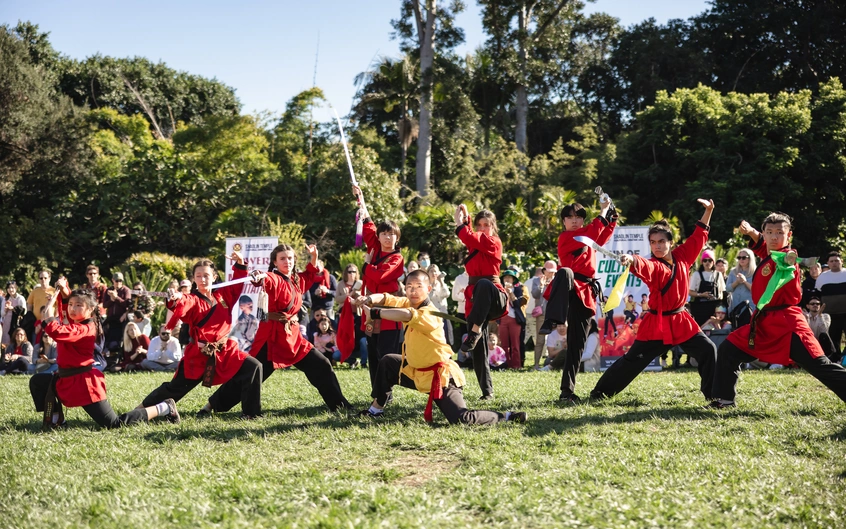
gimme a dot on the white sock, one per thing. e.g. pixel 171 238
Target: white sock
pixel 508 416
pixel 376 411
pixel 162 408
pixel 55 418
pixel 207 407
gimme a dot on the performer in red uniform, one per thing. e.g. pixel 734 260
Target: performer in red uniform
pixel 211 357
pixel 779 333
pixel 278 343
pixel 667 323
pixel 485 297
pixel 76 383
pixel 573 292
pixel 383 268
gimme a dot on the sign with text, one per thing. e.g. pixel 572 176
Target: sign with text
pixel 256 252
pixel 618 328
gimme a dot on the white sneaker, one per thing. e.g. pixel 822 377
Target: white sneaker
pixel 776 366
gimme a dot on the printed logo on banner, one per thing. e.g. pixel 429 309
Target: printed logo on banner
pixel 256 252
pixel 618 328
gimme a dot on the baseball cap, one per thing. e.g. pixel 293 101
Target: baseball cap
pixel 117 276
pixel 185 283
pixel 551 266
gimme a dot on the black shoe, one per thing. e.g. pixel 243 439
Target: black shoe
pixel 245 417
pixel 471 341
pixel 368 413
pixel 569 398
pixel 518 416
pixel 489 396
pixel 547 327
pixel 173 416
pixel 596 396
pixel 717 405
pixel 203 414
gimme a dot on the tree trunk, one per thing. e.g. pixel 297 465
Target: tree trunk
pixel 522 103
pixel 424 140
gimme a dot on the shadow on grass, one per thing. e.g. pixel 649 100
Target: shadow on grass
pixel 544 426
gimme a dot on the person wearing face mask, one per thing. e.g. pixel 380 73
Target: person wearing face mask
pixel 667 323
pixel 424 261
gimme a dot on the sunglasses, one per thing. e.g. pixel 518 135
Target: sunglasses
pixel 742 257
pixel 351 271
pixel 707 260
pixel 814 304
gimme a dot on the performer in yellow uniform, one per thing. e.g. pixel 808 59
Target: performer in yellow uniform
pixel 426 362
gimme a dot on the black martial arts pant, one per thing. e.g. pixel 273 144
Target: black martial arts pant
pixel 452 403
pixel 245 387
pixel 317 368
pixel 626 368
pixel 381 344
pixel 729 358
pixel 489 303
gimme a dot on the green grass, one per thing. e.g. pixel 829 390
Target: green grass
pixel 648 458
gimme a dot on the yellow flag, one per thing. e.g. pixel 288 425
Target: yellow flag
pixel 616 295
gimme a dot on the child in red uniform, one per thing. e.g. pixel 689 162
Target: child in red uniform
pixel 485 298
pixel 574 291
pixel 76 383
pixel 667 323
pixel 278 343
pixel 383 267
pixel 779 333
pixel 212 357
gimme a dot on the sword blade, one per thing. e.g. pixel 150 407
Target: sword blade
pixel 233 282
pixel 587 241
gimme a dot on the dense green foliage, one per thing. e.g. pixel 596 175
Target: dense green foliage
pixel 648 458
pixel 105 158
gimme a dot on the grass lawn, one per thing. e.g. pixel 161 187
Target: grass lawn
pixel 649 457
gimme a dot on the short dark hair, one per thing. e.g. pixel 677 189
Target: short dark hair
pixel 244 299
pixel 419 274
pixel 138 314
pixel 573 209
pixel 388 226
pixel 777 217
pixel 832 254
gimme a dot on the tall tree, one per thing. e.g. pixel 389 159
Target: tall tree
pixel 429 21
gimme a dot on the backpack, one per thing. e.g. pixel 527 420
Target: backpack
pixel 741 314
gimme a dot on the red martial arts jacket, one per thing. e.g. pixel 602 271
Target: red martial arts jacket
pixel 775 329
pixel 209 327
pixel 382 274
pixel 75 349
pixel 581 259
pixel 483 260
pixel 669 287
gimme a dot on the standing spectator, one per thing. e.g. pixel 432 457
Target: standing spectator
pixel 809 284
pixel 438 296
pixel 20 357
pixel 832 286
pixel 323 293
pixel 424 261
pixel 458 287
pixel 350 286
pixel 116 303
pixel 739 282
pixel 41 294
pixel 44 355
pixel 14 302
pixel 164 352
pixel 244 330
pixel 538 287
pixel 706 289
pixel 721 266
pixel 92 275
pixel 511 324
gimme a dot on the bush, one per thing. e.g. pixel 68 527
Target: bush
pixel 170 266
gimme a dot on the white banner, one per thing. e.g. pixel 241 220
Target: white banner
pixel 256 252
pixel 618 329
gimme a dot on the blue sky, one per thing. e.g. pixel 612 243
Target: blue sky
pixel 264 49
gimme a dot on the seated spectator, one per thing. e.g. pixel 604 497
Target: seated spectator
pixel 591 358
pixel 323 293
pixel 717 321
pixel 18 355
pixel 135 346
pixel 311 329
pixel 556 348
pixel 325 341
pixel 142 321
pixel 14 303
pixel 496 354
pixel 819 322
pixel 438 296
pixel 45 354
pixel 163 353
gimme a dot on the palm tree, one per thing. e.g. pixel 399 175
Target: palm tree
pixel 390 92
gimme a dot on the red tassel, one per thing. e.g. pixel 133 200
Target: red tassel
pixel 345 338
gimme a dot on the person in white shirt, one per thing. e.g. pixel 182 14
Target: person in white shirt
pixel 591 358
pixel 832 286
pixel 164 352
pixel 458 287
